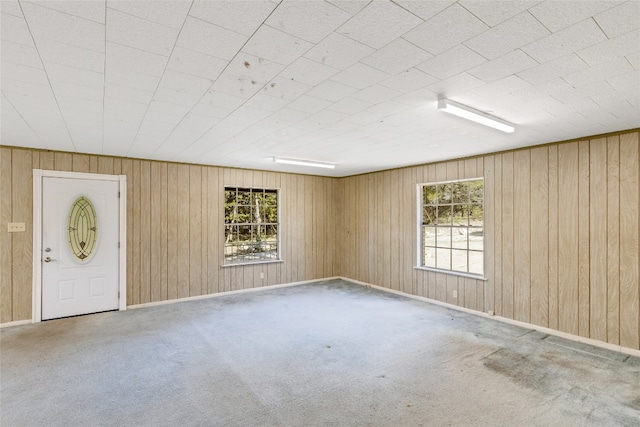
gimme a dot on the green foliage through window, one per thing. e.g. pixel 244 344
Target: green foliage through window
pixel 452 226
pixel 250 225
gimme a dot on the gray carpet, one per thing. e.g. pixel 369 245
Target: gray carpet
pixel 324 354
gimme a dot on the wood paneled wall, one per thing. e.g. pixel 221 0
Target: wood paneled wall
pixel 175 227
pixel 561 236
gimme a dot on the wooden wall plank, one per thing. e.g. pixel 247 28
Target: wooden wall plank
pixel 145 232
pixel 540 236
pixel 81 163
pixel 172 230
pixel 583 239
pixel 497 233
pixel 613 239
pixel 629 250
pixel 105 165
pixel 155 239
pixel 568 217
pixel 136 253
pixel 164 230
pixel 63 161
pixel 184 212
pixel 553 237
pixel 22 243
pixel 6 246
pixel 522 235
pixel 215 237
pixel 507 236
pixel 195 230
pixel 126 168
pixel 598 239
pixel 489 233
pixel 47 161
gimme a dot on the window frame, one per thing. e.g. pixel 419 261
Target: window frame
pixel 420 246
pixel 225 263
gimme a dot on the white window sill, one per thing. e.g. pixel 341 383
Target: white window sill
pixel 453 273
pixel 244 264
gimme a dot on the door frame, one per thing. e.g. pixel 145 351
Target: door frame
pixel 38 177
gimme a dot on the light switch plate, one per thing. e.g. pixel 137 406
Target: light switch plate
pixel 14 227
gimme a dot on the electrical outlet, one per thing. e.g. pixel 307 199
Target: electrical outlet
pixel 455 294
pixel 15 227
pixel 262 275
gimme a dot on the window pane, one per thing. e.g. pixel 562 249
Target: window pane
pixel 429 236
pixel 444 215
pixel 429 258
pixel 476 215
pixel 476 262
pixel 460 214
pixel 460 192
pixel 459 260
pixel 459 238
pixel 476 239
pixel 429 215
pixel 443 237
pixel 476 190
pixel 429 195
pixel 444 193
pixel 443 259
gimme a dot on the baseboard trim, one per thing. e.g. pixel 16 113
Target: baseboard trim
pixel 227 293
pixel 15 323
pixel 545 330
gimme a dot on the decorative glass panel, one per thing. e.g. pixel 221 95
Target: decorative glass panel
pixel 82 229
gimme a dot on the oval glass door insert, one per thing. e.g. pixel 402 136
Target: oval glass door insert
pixel 82 229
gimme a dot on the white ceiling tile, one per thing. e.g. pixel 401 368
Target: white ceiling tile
pixel 399 55
pixel 73 90
pixel 457 84
pixel 11 7
pixel 350 106
pixel 20 54
pixel 620 19
pixel 332 91
pixel 623 45
pixel 170 112
pixel 503 66
pixel 602 71
pixel 451 62
pixel 72 104
pixel 634 60
pixel 376 94
pixel 555 68
pixel 28 89
pixel 569 40
pixel 556 15
pixel 136 32
pixel 131 79
pixel 254 68
pixel 62 73
pixel 308 72
pixel 445 30
pixel 508 36
pixel 209 110
pixel 425 9
pixel 379 23
pixel 309 104
pixel 59 53
pixel 24 74
pixel 195 63
pixel 165 95
pixel 338 51
pixel 19 129
pixel 198 35
pixel 507 85
pixel 266 102
pixel 274 45
pixel 14 29
pixel 137 60
pixel 308 20
pixel 170 13
pixel 351 6
pixel 125 109
pixel 48 24
pixel 222 100
pixel 243 17
pixel 128 94
pixel 289 115
pixel 360 76
pixel 493 12
pixel 285 88
pixel 91 10
pixel 185 83
pixel 237 85
pixel 409 81
pixel 417 97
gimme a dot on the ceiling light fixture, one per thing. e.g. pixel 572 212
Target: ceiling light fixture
pixel 474 115
pixel 302 162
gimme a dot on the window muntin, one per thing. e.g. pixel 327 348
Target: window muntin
pixel 452 224
pixel 250 225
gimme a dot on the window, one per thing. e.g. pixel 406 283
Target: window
pixel 250 225
pixel 451 229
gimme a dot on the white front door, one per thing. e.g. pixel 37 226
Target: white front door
pixel 80 255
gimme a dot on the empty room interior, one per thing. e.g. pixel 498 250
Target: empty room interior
pixel 313 213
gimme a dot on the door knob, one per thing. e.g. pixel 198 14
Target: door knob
pixel 48 259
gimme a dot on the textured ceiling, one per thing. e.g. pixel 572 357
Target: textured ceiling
pixel 234 83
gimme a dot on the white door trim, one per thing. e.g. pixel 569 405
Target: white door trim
pixel 38 175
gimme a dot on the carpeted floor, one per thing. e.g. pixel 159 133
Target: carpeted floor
pixel 324 354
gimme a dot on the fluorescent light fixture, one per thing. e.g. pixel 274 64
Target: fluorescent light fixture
pixel 302 162
pixel 474 115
